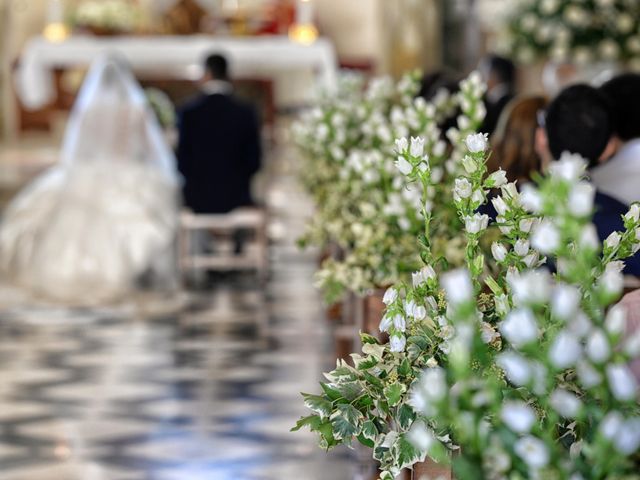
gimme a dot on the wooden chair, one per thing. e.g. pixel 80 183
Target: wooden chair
pixel 222 228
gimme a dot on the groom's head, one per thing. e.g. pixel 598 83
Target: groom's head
pixel 577 121
pixel 216 67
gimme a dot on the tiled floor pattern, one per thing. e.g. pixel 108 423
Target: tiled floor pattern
pixel 204 391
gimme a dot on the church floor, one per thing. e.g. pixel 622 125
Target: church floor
pixel 207 390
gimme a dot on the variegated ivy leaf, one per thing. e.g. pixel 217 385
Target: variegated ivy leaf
pixel 318 404
pixel 346 421
pixel 375 351
pixel 394 392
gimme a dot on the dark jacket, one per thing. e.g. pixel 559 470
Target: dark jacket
pixel 494 110
pixel 218 152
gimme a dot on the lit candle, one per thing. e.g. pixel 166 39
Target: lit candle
pixel 304 12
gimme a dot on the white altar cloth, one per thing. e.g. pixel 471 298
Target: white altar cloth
pixel 181 56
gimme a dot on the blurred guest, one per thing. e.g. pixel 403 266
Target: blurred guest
pixel 620 175
pixel 500 75
pixel 579 121
pixel 513 142
pixel 219 145
pixel 92 226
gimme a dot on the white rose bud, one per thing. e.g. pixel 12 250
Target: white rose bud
pixel 521 247
pixel 633 213
pixel 613 240
pixel 598 348
pixel 462 188
pixel 399 322
pixel 565 350
pixel 404 166
pixel 622 382
pixel 530 198
pixel 385 323
pixel 581 199
pixel 518 416
pixel 497 179
pixel 545 237
pixel 417 147
pixel 519 327
pixel 500 205
pixel 401 145
pixel 564 301
pixel 476 223
pixel 477 142
pixel 498 251
pixel 390 296
pixel 469 164
pixel 397 343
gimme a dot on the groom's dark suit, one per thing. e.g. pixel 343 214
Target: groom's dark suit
pixel 218 152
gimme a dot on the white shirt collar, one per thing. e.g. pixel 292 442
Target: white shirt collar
pixel 212 87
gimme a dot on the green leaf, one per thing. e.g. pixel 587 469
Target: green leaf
pixel 367 363
pixel 405 368
pixel 366 338
pixel 330 391
pixel 349 390
pixel 373 350
pixel 405 416
pixel 318 404
pixel 369 430
pixel 365 441
pixel 327 439
pixel 493 286
pixel 345 421
pixel 313 421
pixel 394 392
pixel 373 380
pixel 405 453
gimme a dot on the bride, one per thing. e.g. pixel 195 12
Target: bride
pixel 89 228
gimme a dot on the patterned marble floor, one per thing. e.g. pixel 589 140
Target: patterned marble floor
pixel 207 390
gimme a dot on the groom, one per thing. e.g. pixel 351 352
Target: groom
pixel 219 144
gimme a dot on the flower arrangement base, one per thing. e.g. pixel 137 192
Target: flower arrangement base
pixel 429 470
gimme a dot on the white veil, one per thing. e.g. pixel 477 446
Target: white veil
pixel 112 121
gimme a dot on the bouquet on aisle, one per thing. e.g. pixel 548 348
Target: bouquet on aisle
pixel 365 205
pixel 520 372
pixel 583 31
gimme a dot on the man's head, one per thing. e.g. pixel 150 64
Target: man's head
pixel 498 71
pixel 216 67
pixel 578 121
pixel 623 93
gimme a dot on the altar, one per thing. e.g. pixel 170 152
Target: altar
pixel 180 57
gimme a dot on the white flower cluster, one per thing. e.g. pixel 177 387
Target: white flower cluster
pixel 574 29
pixel 117 15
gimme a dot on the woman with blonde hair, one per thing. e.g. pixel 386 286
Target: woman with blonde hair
pixel 513 142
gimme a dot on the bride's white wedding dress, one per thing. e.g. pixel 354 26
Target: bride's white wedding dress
pixel 87 229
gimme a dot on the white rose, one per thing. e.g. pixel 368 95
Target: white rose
pixel 530 198
pixel 545 237
pixel 419 313
pixel 564 301
pixel 498 251
pixel 404 166
pixel 417 147
pixel 616 319
pixel 565 403
pixel 518 416
pixel 613 240
pixel 399 322
pixel 476 223
pixel 633 213
pixel 589 376
pixel 390 296
pixel 397 343
pixel 385 323
pixel 457 286
pixel 622 382
pixel 516 368
pixel 500 205
pixel 477 142
pixel 569 167
pixel 533 451
pixel 497 179
pixel 519 327
pixel 598 348
pixel 521 247
pixel 565 350
pixel 581 199
pixel 462 188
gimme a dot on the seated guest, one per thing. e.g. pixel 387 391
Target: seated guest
pixel 620 176
pixel 514 141
pixel 579 121
pixel 218 146
pixel 500 75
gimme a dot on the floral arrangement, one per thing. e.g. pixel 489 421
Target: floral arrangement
pixel 583 31
pixel 515 374
pixel 162 106
pixel 119 16
pixel 364 203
